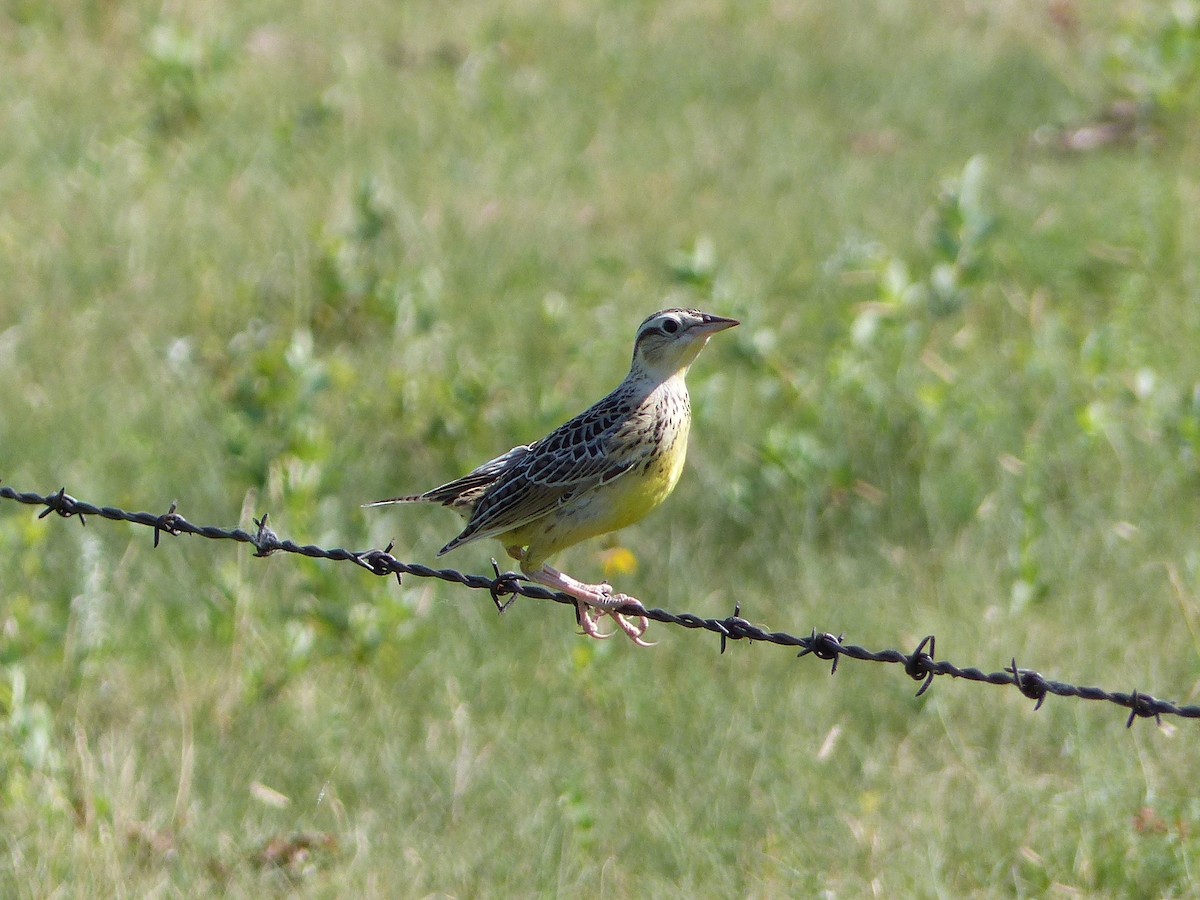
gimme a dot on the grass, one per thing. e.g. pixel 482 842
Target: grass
pixel 284 257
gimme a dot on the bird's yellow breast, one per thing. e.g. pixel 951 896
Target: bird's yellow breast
pixel 610 506
pixel 639 491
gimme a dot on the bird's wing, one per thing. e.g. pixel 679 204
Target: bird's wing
pixel 590 450
pixel 460 490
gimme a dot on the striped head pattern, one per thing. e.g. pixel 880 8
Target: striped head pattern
pixel 669 341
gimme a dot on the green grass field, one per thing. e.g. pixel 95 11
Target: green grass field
pixel 292 257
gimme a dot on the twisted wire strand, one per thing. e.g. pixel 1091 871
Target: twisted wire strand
pixel 919 665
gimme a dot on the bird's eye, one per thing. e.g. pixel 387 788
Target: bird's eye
pixel 670 326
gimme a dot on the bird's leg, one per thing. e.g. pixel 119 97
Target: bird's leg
pixel 593 599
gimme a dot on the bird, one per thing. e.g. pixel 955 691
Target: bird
pixel 603 470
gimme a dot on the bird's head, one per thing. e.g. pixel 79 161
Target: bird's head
pixel 669 341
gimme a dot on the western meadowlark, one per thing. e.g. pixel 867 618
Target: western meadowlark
pixel 605 469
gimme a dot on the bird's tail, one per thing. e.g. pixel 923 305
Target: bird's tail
pixel 414 498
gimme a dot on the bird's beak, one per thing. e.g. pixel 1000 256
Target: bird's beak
pixel 713 324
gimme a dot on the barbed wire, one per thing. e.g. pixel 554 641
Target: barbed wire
pixel 919 665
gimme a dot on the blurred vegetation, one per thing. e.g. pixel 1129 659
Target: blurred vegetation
pixel 295 257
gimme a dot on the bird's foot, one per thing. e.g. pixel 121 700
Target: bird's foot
pixel 594 601
pixel 634 626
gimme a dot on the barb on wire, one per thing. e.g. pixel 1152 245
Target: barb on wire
pixel 919 665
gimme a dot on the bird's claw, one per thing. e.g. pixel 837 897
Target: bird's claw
pixel 589 622
pixel 594 601
pixel 634 626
